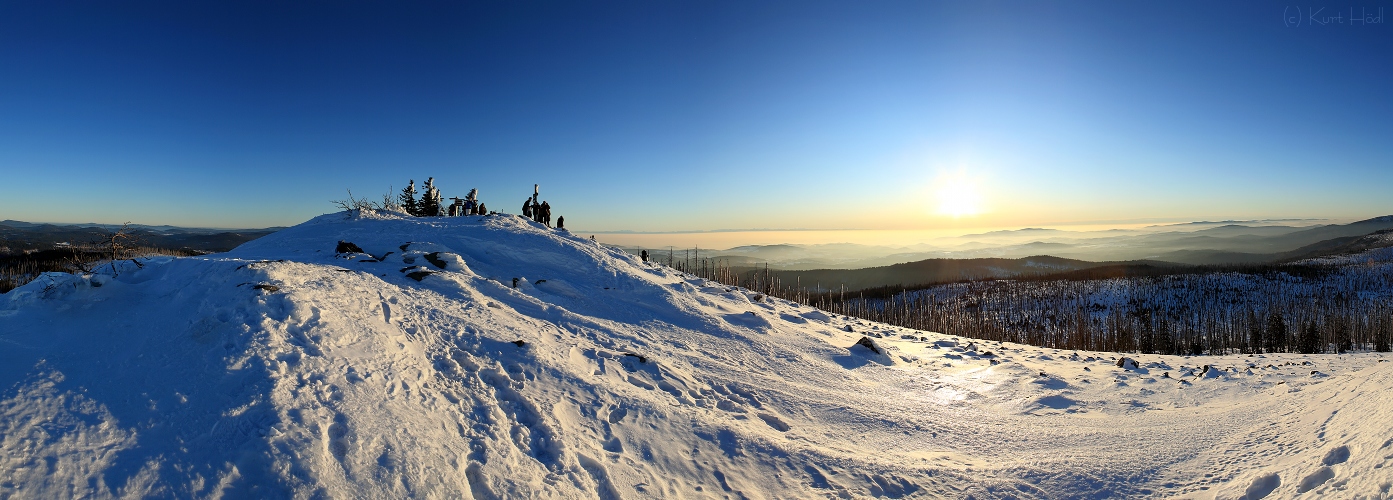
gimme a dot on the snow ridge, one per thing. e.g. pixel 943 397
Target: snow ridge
pixel 410 366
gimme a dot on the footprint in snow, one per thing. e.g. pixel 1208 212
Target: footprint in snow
pixel 337 437
pixel 1315 479
pixel 777 423
pixel 1262 486
pixel 617 415
pixel 1336 456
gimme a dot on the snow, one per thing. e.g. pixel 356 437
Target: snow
pixel 283 369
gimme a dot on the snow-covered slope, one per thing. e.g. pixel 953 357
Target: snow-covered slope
pixel 289 369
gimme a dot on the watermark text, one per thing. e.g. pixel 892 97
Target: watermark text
pixel 1295 16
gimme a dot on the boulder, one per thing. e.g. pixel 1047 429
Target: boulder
pixel 869 344
pixel 347 247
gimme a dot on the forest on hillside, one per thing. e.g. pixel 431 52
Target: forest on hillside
pixel 24 255
pixel 1335 303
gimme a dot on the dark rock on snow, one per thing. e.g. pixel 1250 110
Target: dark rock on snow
pixel 434 259
pixel 347 247
pixel 869 344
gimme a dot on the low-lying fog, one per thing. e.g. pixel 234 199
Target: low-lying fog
pixel 1190 243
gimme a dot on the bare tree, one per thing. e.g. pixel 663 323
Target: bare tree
pixel 119 245
pixel 80 260
pixel 114 246
pixel 352 203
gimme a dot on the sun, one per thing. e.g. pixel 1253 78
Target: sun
pixel 958 196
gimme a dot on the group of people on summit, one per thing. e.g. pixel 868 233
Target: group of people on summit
pixel 470 205
pixel 429 205
pixel 540 212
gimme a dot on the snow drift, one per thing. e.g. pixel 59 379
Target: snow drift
pixel 408 364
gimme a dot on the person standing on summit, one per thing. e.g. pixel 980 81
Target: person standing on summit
pixel 530 208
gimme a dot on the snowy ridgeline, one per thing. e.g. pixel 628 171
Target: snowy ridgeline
pixel 1347 300
pixel 365 355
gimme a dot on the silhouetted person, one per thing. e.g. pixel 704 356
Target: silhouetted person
pixel 644 254
pixel 534 212
pixel 546 214
pixel 527 208
pixel 483 210
pixel 561 222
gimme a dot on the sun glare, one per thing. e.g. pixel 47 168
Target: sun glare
pixel 958 197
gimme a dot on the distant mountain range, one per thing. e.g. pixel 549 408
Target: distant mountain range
pixel 937 271
pixel 19 236
pixel 1211 243
pixel 1002 254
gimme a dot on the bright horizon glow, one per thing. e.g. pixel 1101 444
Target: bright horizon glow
pixel 958 196
pixel 721 240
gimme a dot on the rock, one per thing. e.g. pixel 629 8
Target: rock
pixel 269 288
pixel 346 247
pixel 868 343
pixel 1127 363
pixel 519 343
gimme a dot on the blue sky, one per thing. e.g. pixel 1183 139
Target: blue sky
pixel 662 116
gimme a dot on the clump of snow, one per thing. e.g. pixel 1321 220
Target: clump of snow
pixel 413 366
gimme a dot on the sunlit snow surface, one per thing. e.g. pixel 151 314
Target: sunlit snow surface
pixel 283 369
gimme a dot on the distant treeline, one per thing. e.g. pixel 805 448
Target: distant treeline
pixel 19 269
pixel 1331 305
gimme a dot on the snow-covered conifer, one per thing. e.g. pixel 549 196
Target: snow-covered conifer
pixel 430 203
pixel 408 199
